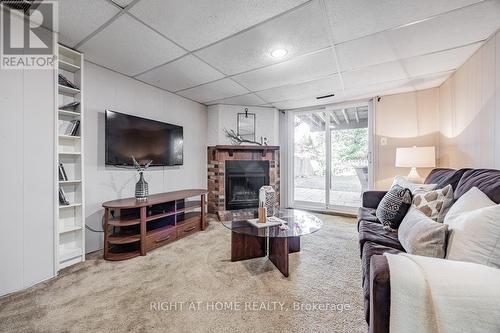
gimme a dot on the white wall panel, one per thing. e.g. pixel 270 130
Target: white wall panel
pixel 108 90
pixel 225 117
pixel 27 169
pixel 403 120
pixel 38 176
pixel 470 112
pixel 11 197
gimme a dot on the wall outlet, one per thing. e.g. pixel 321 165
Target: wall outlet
pixel 383 141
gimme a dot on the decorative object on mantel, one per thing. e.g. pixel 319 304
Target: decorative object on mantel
pixel 246 125
pixel 142 187
pixel 267 199
pixel 238 140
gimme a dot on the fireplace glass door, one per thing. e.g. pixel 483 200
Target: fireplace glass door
pixel 243 180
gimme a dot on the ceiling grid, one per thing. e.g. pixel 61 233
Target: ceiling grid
pixel 220 52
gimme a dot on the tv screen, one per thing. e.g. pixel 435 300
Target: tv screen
pixel 142 138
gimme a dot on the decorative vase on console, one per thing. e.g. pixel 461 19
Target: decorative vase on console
pixel 141 187
pixel 267 198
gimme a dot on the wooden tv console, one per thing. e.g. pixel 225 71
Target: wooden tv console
pixel 133 227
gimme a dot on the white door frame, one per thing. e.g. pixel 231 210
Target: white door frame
pixel 290 156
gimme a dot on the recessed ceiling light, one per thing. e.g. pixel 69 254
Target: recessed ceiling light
pixel 279 53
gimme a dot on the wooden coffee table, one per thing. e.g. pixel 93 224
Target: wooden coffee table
pixel 249 242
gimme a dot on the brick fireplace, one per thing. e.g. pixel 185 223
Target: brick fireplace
pixel 240 179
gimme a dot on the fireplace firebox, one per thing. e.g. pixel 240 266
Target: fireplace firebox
pixel 243 181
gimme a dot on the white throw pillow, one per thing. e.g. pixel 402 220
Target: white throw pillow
pixel 420 235
pixel 470 200
pixel 474 229
pixel 413 187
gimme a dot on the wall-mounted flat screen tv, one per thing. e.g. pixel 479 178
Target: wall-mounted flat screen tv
pixel 142 138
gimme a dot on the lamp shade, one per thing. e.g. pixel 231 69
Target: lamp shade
pixel 416 157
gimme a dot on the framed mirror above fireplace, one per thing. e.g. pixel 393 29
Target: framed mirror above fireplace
pixel 246 125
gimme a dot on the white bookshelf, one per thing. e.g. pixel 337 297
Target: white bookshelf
pixel 70 226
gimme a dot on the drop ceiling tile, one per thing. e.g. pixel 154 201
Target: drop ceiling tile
pixel 397 86
pixel 306 102
pixel 352 19
pixel 461 27
pixel 374 74
pixel 180 74
pixel 194 24
pixel 122 3
pixel 300 31
pixel 221 89
pixel 129 47
pixel 378 89
pixel 430 81
pixel 78 19
pixel 314 89
pixel 365 52
pixel 249 100
pixel 440 61
pixel 301 69
pixel 369 91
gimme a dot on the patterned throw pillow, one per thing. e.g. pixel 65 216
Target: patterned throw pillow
pixel 434 204
pixel 393 207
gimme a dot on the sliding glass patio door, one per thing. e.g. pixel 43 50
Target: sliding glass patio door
pixel 309 159
pixel 331 164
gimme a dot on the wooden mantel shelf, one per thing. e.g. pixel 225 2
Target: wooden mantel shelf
pixel 246 147
pixel 232 148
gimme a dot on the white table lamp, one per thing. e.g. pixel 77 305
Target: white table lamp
pixel 415 157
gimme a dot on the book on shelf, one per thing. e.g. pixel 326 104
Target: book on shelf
pixel 74 129
pixel 62 173
pixel 62 197
pixel 71 127
pixel 65 82
pixel 73 106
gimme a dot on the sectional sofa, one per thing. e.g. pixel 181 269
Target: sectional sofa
pixel 374 240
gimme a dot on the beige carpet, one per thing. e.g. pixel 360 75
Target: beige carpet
pixel 195 272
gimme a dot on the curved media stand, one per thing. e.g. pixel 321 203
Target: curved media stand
pixel 133 227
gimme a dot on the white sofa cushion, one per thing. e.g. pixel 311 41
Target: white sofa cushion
pixel 474 229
